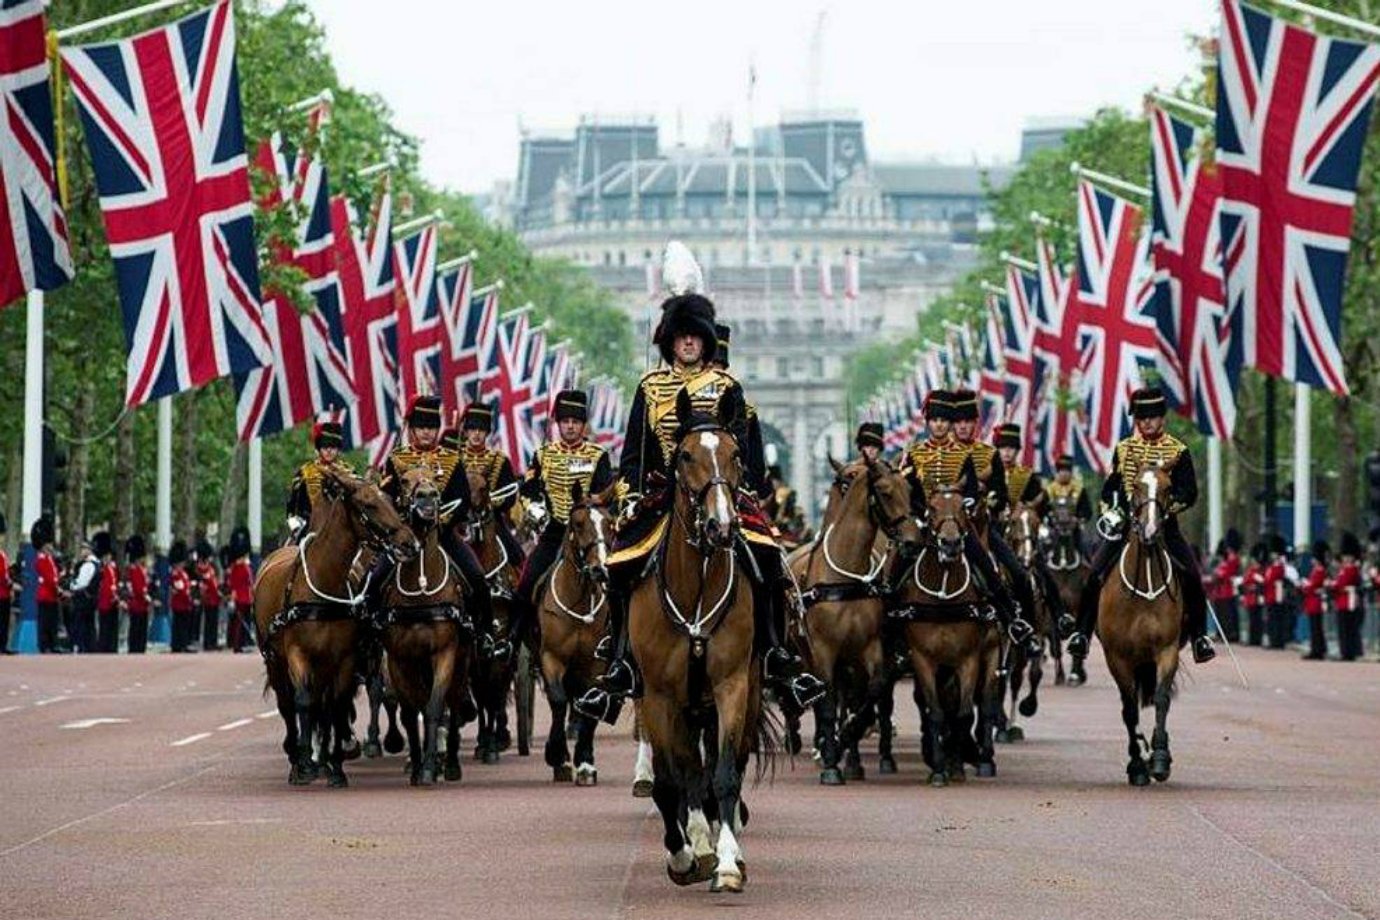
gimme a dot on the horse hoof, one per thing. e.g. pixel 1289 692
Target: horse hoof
pixel 373 750
pixel 886 765
pixel 453 772
pixel 490 756
pixel 1002 736
pixel 428 776
pixel 337 779
pixel 831 776
pixel 505 739
pixel 563 774
pixel 414 777
pixel 1059 680
pixel 938 779
pixel 393 742
pixel 1137 775
pixel 1015 733
pixel 350 749
pixel 302 776
pixel 586 775
pixel 986 770
pixel 1028 706
pixel 958 774
pixel 642 789
pixel 854 771
pixel 701 870
pixel 1160 765
pixel 793 743
pixel 730 882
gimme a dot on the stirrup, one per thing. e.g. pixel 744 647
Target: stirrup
pixel 1020 630
pixel 499 648
pixel 806 689
pixel 779 664
pixel 1077 644
pixel 1203 650
pixel 596 703
pixel 1067 625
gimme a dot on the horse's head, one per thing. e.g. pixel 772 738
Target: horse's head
pixel 1063 518
pixel 947 514
pixel 372 517
pixel 421 496
pixel 888 499
pixel 587 532
pixel 709 471
pixel 1023 533
pixel 1149 498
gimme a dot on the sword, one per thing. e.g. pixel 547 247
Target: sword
pixel 1230 651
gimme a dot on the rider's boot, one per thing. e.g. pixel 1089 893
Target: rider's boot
pixel 1195 610
pixel 1008 611
pixel 605 701
pixel 493 643
pixel 796 689
pixel 1079 641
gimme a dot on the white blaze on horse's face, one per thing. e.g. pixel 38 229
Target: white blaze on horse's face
pixel 596 519
pixel 719 509
pixel 1151 525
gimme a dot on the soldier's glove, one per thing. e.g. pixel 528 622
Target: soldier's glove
pixel 295 523
pixel 1111 524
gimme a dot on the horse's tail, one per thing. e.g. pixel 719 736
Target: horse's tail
pixel 767 732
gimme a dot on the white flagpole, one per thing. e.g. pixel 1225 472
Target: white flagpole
pixel 33 414
pixel 116 18
pixel 255 500
pixel 1303 462
pixel 162 502
pixel 1215 530
pixel 1110 181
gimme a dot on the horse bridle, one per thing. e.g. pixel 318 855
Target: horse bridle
pixel 696 496
pixel 584 570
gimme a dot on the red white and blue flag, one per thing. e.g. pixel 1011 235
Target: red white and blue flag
pixel 606 416
pixel 506 381
pixel 161 114
pixel 1117 305
pixel 1052 350
pixel 1017 311
pixel 1199 369
pixel 991 372
pixel 365 265
pixel 1292 114
pixel 474 328
pixel 421 332
pixel 33 230
pixel 310 373
pixel 459 360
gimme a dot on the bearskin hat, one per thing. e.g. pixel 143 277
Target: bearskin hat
pixel 177 553
pixel 1321 551
pixel 41 533
pixel 239 543
pixel 1350 545
pixel 686 314
pixel 205 551
pixel 102 544
pixel 1233 540
pixel 135 548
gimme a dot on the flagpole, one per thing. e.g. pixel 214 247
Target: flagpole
pixel 255 498
pixel 418 223
pixel 1214 457
pixel 1110 181
pixel 1018 262
pixel 26 637
pixel 1183 105
pixel 1303 462
pixel 456 263
pixel 752 168
pixel 117 18
pixel 1328 16
pixel 162 514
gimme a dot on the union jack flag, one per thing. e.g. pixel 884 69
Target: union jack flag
pixel 606 416
pixel 991 372
pixel 1116 313
pixel 1198 367
pixel 1018 309
pixel 455 296
pixel 33 229
pixel 310 374
pixel 1292 115
pixel 473 325
pixel 421 332
pixel 161 114
pixel 506 381
pixel 1052 348
pixel 366 284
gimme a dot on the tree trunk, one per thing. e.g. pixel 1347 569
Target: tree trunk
pixel 1348 502
pixel 184 461
pixel 74 499
pixel 122 521
pixel 233 490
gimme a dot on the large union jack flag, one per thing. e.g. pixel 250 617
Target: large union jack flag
pixel 1053 322
pixel 991 371
pixel 33 229
pixel 507 381
pixel 468 328
pixel 1198 368
pixel 310 373
pixel 1117 305
pixel 1292 115
pixel 161 114
pixel 366 284
pixel 421 332
pixel 1018 309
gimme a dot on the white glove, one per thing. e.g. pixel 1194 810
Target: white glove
pixel 295 523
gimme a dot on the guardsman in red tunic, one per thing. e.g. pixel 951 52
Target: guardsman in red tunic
pixel 1346 598
pixel 239 579
pixel 140 590
pixel 208 589
pixel 1253 595
pixel 107 595
pixel 1222 586
pixel 48 592
pixel 180 600
pixel 1313 590
pixel 6 591
pixel 1279 613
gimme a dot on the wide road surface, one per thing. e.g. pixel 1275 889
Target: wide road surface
pixel 152 787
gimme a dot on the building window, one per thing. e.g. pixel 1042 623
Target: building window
pixel 783 367
pixel 608 257
pixel 622 258
pixel 816 367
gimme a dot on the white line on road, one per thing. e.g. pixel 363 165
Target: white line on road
pixel 51 699
pixel 267 715
pixel 91 723
pixel 191 739
pixel 221 822
pixel 9 709
pixel 235 724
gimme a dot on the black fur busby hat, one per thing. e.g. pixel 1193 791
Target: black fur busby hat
pixel 239 543
pixel 1009 435
pixel 41 533
pixel 177 553
pixel 102 544
pixel 1350 546
pixel 871 434
pixel 722 335
pixel 1321 551
pixel 687 311
pixel 1148 402
pixel 135 548
pixel 938 404
pixel 1233 540
pixel 965 406
pixel 477 416
pixel 205 552
pixel 572 404
pixel 327 434
pixel 424 412
pixel 1260 552
pixel 1277 545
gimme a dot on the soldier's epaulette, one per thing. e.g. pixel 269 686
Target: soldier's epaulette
pixel 656 372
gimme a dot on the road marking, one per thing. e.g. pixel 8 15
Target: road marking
pixel 51 699
pixel 263 715
pixel 221 822
pixel 235 724
pixel 9 709
pixel 190 739
pixel 91 723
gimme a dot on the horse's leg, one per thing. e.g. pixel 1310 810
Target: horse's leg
pixel 373 688
pixel 1125 677
pixel 934 744
pixel 731 701
pixel 414 741
pixel 287 711
pixel 557 751
pixel 689 856
pixel 886 710
pixel 983 696
pixel 452 770
pixel 585 773
pixel 1006 728
pixel 643 775
pixel 443 667
pixel 339 708
pixel 1031 704
pixel 304 768
pixel 826 731
pixel 1160 759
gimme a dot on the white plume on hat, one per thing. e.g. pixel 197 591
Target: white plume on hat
pixel 680 273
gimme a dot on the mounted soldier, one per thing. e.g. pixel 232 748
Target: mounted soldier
pixel 327 438
pixel 688 341
pixel 1148 446
pixel 870 440
pixel 945 460
pixel 423 449
pixel 478 458
pixel 1025 487
pixel 558 467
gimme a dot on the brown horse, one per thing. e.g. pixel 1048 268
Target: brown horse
pixel 493 674
pixel 306 613
pixel 1140 616
pixel 843 621
pixel 1068 567
pixel 1023 528
pixel 954 644
pixel 691 626
pixel 426 636
pixel 572 616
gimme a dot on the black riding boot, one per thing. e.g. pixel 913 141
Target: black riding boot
pixel 1008 612
pixel 1079 642
pixel 492 642
pixel 622 679
pixel 1196 616
pixel 796 689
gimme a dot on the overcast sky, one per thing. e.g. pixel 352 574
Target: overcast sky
pixel 952 80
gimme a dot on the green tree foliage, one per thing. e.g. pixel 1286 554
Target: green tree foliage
pixel 283 56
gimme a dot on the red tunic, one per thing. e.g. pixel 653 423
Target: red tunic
pixel 1250 585
pixel 108 592
pixel 1312 590
pixel 46 569
pixel 179 590
pixel 138 578
pixel 208 583
pixel 1224 577
pixel 241 580
pixel 1274 580
pixel 1346 588
pixel 6 586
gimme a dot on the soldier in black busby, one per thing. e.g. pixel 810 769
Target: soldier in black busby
pixel 870 441
pixel 494 467
pixel 327 438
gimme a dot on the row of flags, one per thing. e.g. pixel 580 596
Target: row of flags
pixel 385 323
pixel 1241 262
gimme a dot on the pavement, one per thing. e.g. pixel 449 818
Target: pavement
pixel 154 786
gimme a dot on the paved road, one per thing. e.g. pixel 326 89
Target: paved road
pixel 180 809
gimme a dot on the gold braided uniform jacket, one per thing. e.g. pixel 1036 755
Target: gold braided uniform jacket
pixel 556 469
pixel 493 467
pixel 1071 492
pixel 1136 453
pixel 442 461
pixel 306 486
pixel 1023 485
